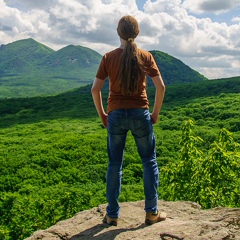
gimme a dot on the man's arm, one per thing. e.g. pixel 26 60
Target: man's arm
pixel 97 99
pixel 159 96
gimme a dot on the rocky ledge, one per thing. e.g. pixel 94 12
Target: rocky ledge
pixel 185 220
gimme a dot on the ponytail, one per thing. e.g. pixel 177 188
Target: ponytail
pixel 129 70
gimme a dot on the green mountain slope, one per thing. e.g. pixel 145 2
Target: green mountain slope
pixel 175 71
pixel 22 57
pixel 28 68
pixel 78 103
pixel 75 62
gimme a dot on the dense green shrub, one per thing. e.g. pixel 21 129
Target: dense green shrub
pixel 24 213
pixel 211 179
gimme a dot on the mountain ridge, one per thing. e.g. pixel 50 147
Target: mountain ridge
pixel 29 68
pixel 19 51
pixel 180 72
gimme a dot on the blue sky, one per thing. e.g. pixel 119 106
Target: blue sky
pixel 204 34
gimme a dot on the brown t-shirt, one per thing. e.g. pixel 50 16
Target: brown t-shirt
pixel 109 67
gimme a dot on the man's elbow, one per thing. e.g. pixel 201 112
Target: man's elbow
pixel 93 89
pixel 162 87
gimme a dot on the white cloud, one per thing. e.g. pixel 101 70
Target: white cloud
pixel 167 6
pixel 165 25
pixel 236 19
pixel 210 6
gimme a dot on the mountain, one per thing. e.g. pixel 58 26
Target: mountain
pixel 174 70
pixel 22 57
pixel 28 57
pixel 75 62
pixel 29 68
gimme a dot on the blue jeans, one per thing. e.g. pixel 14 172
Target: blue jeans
pixel 138 121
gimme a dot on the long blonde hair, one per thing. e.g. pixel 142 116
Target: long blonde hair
pixel 130 65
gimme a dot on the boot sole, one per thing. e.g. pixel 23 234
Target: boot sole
pixel 111 222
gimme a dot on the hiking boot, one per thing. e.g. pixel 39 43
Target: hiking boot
pixel 110 221
pixel 152 218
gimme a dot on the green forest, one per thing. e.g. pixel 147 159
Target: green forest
pixel 53 154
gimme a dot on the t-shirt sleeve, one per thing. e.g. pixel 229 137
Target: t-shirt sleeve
pixel 102 70
pixel 153 68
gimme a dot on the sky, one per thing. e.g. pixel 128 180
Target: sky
pixel 204 34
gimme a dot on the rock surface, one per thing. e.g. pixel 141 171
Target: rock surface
pixel 185 220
